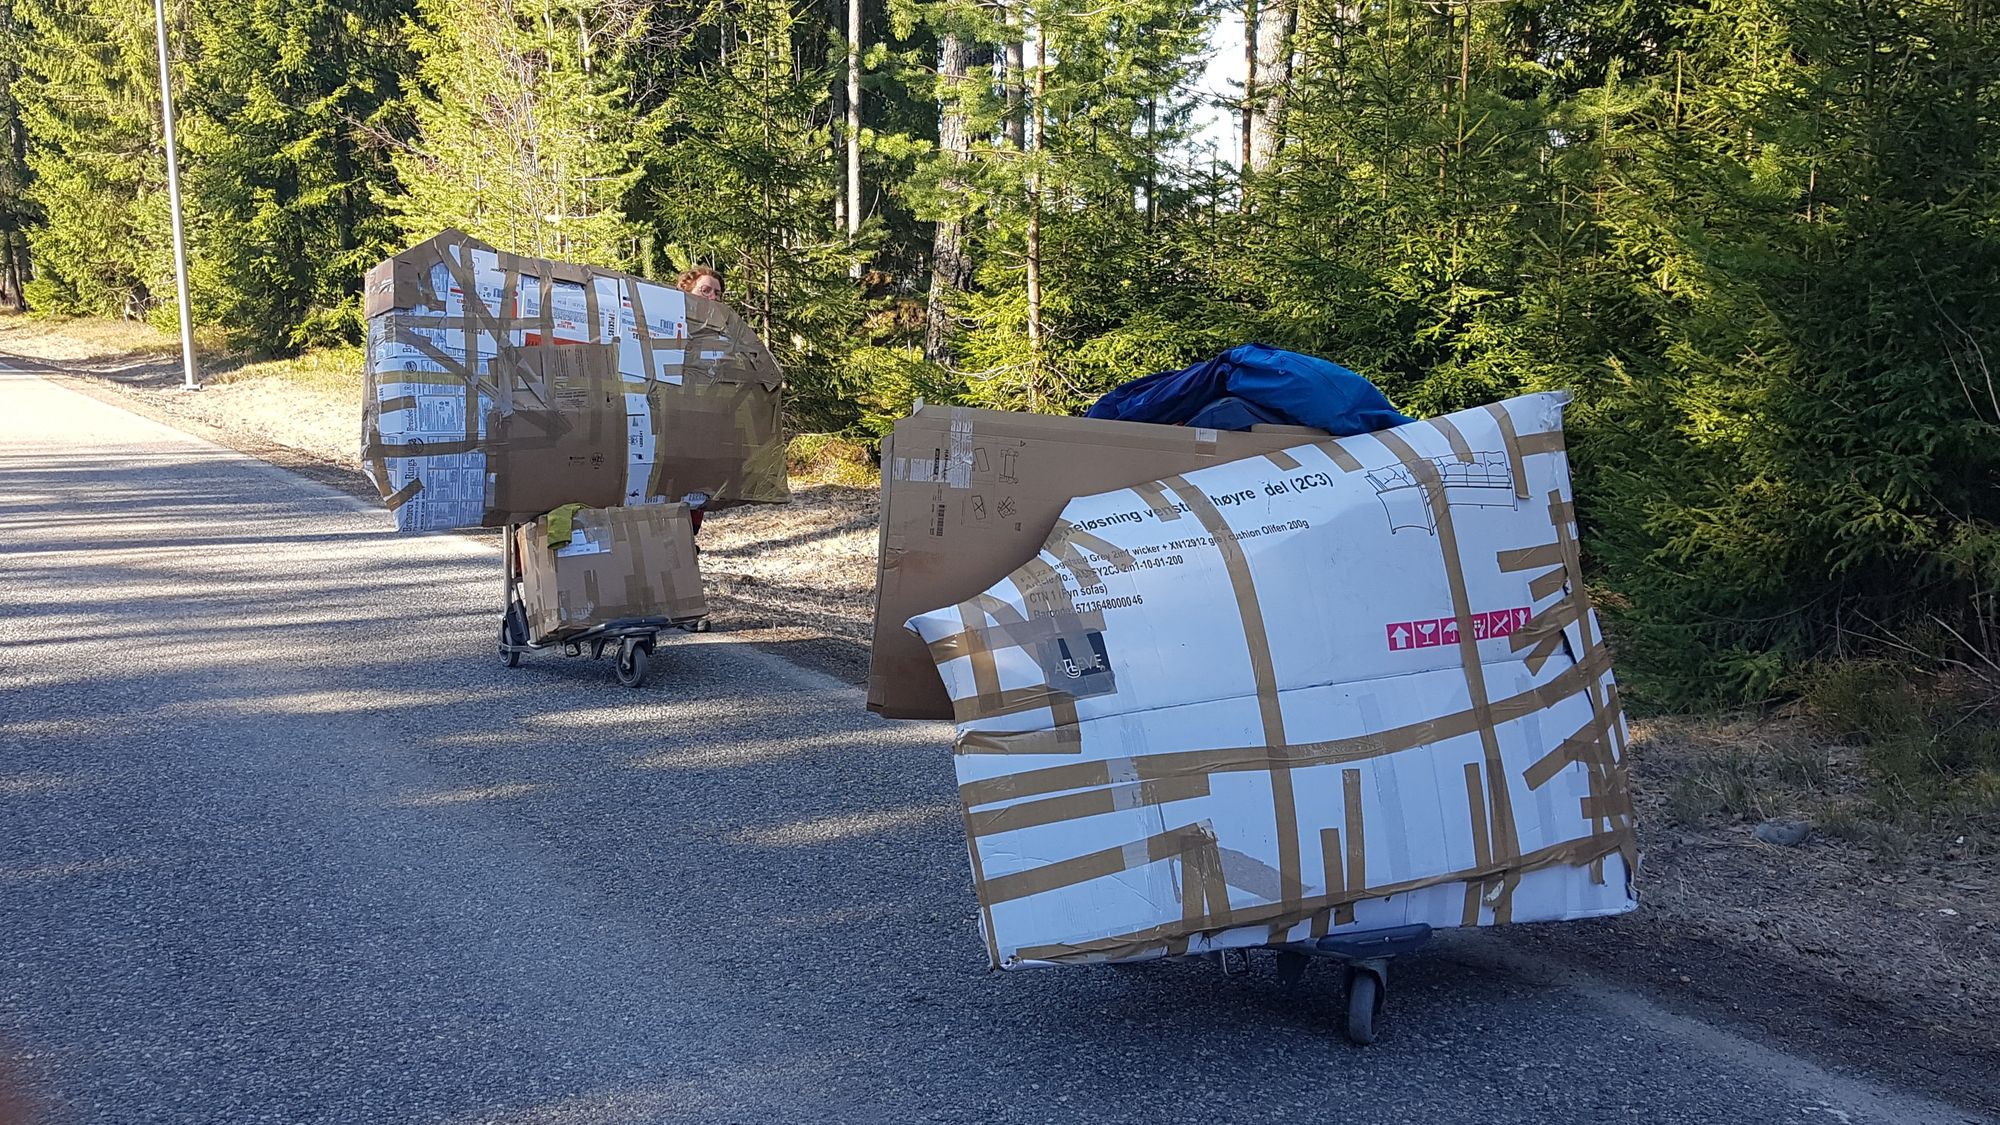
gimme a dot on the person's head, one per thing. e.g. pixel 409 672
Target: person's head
pixel 702 282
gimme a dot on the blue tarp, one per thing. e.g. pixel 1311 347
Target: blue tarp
pixel 1255 384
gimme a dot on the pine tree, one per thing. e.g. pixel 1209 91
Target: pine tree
pixel 286 114
pixel 524 126
pixel 745 173
pixel 17 211
pixel 89 100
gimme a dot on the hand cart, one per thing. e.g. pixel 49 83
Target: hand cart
pixel 1365 961
pixel 633 637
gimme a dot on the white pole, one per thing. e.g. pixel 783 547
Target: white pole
pixel 174 199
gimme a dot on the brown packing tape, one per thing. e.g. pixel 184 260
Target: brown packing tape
pixel 1043 741
pixel 1332 870
pixel 1356 879
pixel 1084 868
pixel 1347 461
pixel 1156 499
pixel 1516 467
pixel 1057 601
pixel 1284 800
pixel 1571 853
pixel 1548 584
pixel 997 635
pixel 1204 890
pixel 1506 840
pixel 1592 643
pixel 1550 441
pixel 1090 802
pixel 1083 775
pixel 1582 747
pixel 1532 558
pixel 1482 846
pixel 1283 460
pixel 403 495
pixel 1459 447
pixel 979 887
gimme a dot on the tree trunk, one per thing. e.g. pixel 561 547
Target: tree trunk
pixel 1250 13
pixel 854 120
pixel 1035 229
pixel 1276 21
pixel 951 268
pixel 1016 127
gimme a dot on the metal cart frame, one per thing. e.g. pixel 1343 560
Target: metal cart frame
pixel 1364 959
pixel 634 637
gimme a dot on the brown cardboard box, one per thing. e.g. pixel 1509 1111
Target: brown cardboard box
pixel 619 563
pixel 969 495
pixel 498 387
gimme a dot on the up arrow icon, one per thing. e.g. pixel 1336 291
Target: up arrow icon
pixel 1400 637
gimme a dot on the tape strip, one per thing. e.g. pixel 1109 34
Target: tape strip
pixel 1548 584
pixel 1093 802
pixel 1284 800
pixel 1459 446
pixel 1549 441
pixel 1532 558
pixel 1347 462
pixel 1283 460
pixel 1574 853
pixel 1516 467
pixel 1084 868
pixel 1084 775
pixel 1579 748
pixel 1156 499
pixel 1506 841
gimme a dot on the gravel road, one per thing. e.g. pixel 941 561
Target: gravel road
pixel 280 840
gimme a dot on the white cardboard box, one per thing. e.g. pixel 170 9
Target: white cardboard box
pixel 1348 686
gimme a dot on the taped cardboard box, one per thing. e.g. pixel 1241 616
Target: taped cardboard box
pixel 1343 687
pixel 614 564
pixel 968 495
pixel 462 338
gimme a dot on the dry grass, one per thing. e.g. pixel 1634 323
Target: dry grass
pixel 59 339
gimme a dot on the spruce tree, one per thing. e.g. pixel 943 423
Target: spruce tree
pixel 288 118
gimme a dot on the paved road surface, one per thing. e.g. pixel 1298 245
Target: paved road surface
pixel 281 841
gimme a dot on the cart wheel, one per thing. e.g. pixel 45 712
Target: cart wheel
pixel 698 625
pixel 512 636
pixel 1364 996
pixel 635 663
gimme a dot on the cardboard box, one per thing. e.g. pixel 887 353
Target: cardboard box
pixel 968 495
pixel 618 563
pixel 1351 685
pixel 499 387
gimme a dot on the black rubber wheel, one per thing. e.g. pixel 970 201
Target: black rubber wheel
pixel 511 636
pixel 698 625
pixel 1364 995
pixel 635 663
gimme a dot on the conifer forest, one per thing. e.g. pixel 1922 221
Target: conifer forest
pixel 1757 240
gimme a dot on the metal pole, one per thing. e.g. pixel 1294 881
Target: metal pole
pixel 174 199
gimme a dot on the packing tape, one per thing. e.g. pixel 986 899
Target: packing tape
pixel 1284 461
pixel 1126 797
pixel 1582 748
pixel 1088 774
pixel 1548 584
pixel 1532 558
pixel 1506 840
pixel 1516 466
pixel 1572 853
pixel 1014 634
pixel 1284 799
pixel 1084 868
pixel 1459 447
pixel 1338 452
pixel 1592 644
pixel 1549 441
